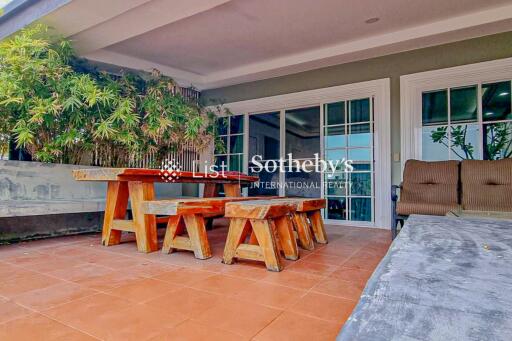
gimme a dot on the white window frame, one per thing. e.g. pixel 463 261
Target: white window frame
pixel 380 91
pixel 412 87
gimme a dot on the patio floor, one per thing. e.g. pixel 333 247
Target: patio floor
pixel 72 288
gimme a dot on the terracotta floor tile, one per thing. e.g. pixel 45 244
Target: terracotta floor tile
pixel 292 279
pixel 26 282
pixel 137 322
pixel 76 312
pixel 223 285
pixel 110 280
pixel 324 258
pixel 9 272
pixel 186 301
pixel 143 290
pixel 41 328
pixel 324 307
pixel 244 270
pixel 52 263
pixel 81 272
pixel 352 275
pixel 363 260
pixel 53 295
pixel 307 267
pixel 296 327
pixel 26 258
pixel 239 317
pixel 340 288
pixel 193 331
pixel 9 310
pixel 275 296
pixel 184 276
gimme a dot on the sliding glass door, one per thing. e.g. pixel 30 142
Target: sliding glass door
pixel 292 138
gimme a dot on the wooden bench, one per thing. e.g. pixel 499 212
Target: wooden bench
pixel 188 215
pixel 269 220
pixel 307 220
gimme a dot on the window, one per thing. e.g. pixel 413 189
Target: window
pixel 231 149
pixel 469 122
pixel 348 134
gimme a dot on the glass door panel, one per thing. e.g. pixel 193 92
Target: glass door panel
pixel 264 142
pixel 302 141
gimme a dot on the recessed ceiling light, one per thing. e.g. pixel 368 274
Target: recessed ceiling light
pixel 372 20
pixel 504 94
pixel 489 113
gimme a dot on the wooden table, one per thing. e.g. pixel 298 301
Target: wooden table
pixel 137 184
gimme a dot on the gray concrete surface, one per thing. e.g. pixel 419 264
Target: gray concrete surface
pixel 443 278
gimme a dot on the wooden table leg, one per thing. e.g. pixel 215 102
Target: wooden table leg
pixel 144 224
pixel 211 190
pixel 115 208
pixel 232 190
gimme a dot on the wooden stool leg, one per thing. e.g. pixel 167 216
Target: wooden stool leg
pixel 317 224
pixel 238 229
pixel 145 224
pixel 115 208
pixel 196 229
pixel 175 227
pixel 301 224
pixel 287 238
pixel 265 234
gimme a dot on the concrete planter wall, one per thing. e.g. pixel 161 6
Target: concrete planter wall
pixel 40 200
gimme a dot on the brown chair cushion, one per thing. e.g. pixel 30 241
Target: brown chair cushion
pixel 408 208
pixel 487 185
pixel 429 187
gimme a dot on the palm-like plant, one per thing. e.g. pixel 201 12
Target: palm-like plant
pixel 60 109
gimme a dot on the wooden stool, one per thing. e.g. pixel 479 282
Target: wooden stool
pixel 308 221
pixel 188 215
pixel 269 222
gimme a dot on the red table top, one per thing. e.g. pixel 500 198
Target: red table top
pixel 156 175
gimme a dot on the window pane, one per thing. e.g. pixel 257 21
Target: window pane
pixel 361 184
pixel 337 208
pixel 435 107
pixel 496 101
pixel 222 126
pixel 360 110
pixel 434 143
pixel 268 183
pixel 464 142
pixel 235 163
pixel 303 132
pixel 335 155
pixel 335 184
pixel 498 141
pixel 362 167
pixel 303 184
pixel 360 135
pixel 222 146
pixel 236 144
pixel 264 132
pixel 360 154
pixel 334 137
pixel 237 124
pixel 361 209
pixel 334 113
pixel 221 160
pixel 463 104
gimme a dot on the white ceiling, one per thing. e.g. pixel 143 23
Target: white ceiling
pixel 211 43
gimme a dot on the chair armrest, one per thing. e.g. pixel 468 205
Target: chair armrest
pixel 394 192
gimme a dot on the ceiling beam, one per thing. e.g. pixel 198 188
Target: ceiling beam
pixel 146 17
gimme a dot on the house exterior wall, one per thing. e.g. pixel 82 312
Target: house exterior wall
pixel 391 66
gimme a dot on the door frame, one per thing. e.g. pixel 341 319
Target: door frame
pixel 380 91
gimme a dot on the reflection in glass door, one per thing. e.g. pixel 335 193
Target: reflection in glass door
pixel 264 140
pixel 348 134
pixel 302 141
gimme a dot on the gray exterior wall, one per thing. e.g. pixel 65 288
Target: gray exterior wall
pixel 391 66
